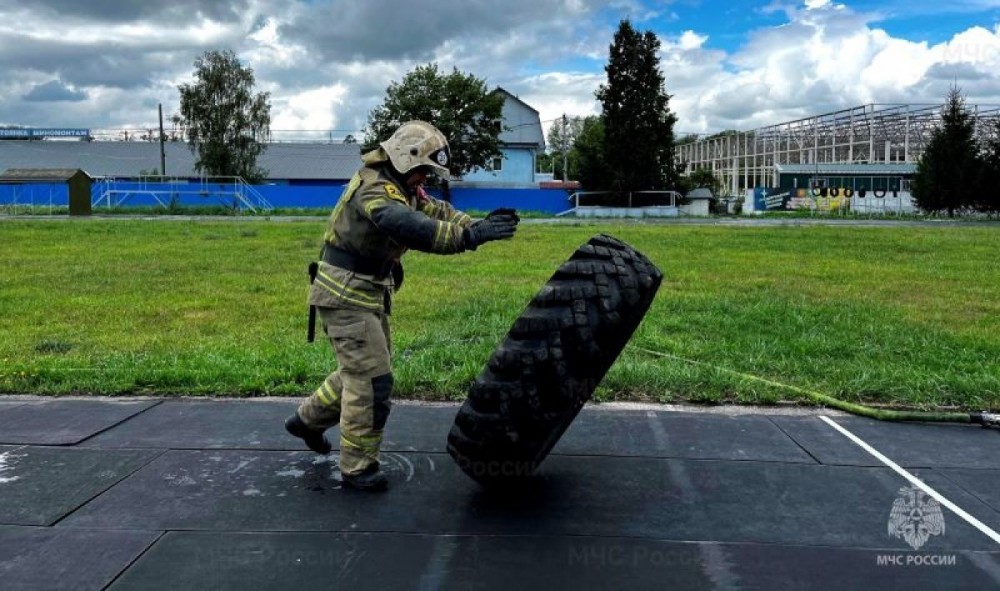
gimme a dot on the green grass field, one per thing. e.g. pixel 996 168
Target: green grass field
pixel 896 316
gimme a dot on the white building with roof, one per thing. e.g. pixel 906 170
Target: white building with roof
pixel 521 141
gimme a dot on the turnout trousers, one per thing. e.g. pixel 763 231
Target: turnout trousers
pixel 357 394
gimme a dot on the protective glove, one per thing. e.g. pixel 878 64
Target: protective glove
pixel 494 227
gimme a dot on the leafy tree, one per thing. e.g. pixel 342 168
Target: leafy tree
pixel 458 104
pixel 226 123
pixel 702 177
pixel 594 173
pixel 545 162
pixel 561 138
pixel 948 171
pixel 350 139
pixel 638 124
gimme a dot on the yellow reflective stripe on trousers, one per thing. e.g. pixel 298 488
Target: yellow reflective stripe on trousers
pixel 347 293
pixel 364 443
pixel 327 395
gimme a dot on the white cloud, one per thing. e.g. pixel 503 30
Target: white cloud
pixel 309 110
pixel 327 63
pixel 828 57
pixel 690 40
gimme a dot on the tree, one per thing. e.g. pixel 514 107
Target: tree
pixel 948 170
pixel 350 139
pixel 545 162
pixel 702 177
pixel 227 124
pixel 561 139
pixel 589 147
pixel 638 124
pixel 987 198
pixel 458 104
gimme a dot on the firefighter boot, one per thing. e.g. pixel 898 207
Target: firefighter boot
pixel 370 479
pixel 316 440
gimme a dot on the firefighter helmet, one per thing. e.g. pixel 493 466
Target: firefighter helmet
pixel 415 144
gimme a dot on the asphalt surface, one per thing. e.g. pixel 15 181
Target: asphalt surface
pixel 213 494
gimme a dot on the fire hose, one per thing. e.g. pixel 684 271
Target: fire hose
pixel 986 419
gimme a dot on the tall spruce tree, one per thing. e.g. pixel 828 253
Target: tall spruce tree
pixel 638 124
pixel 227 125
pixel 949 171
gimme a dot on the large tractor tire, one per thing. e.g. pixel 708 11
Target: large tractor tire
pixel 548 366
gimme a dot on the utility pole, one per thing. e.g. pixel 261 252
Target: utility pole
pixel 163 154
pixel 565 142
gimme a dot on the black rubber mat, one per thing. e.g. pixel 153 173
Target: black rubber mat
pixel 305 561
pixel 33 558
pixel 63 422
pixel 39 485
pixel 665 434
pixel 224 425
pixel 933 445
pixel 208 424
pixel 789 503
pixel 984 484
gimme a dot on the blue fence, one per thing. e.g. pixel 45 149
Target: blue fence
pixel 549 201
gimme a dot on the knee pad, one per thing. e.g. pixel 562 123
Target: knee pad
pixel 382 387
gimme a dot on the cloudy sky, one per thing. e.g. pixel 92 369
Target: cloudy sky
pixel 729 64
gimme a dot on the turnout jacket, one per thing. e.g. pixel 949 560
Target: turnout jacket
pixel 375 221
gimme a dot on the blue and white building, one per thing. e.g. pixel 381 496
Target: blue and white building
pixel 521 140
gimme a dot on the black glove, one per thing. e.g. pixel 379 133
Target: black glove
pixel 495 227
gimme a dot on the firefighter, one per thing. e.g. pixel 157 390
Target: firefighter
pixel 382 212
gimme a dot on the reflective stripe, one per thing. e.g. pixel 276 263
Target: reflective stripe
pixel 372 204
pixel 336 284
pixel 345 297
pixel 327 395
pixel 365 443
pixel 331 235
pixel 355 296
pixel 437 235
pixel 322 396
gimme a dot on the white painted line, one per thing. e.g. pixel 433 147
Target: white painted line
pixel 916 481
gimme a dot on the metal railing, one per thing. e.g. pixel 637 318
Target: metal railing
pixel 231 191
pixel 618 199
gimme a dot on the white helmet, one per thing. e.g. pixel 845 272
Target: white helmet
pixel 418 143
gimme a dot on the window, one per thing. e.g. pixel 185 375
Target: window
pixel 497 165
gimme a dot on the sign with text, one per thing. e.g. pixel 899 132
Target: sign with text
pixel 44 132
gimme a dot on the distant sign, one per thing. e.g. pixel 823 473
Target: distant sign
pixel 769 198
pixel 44 132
